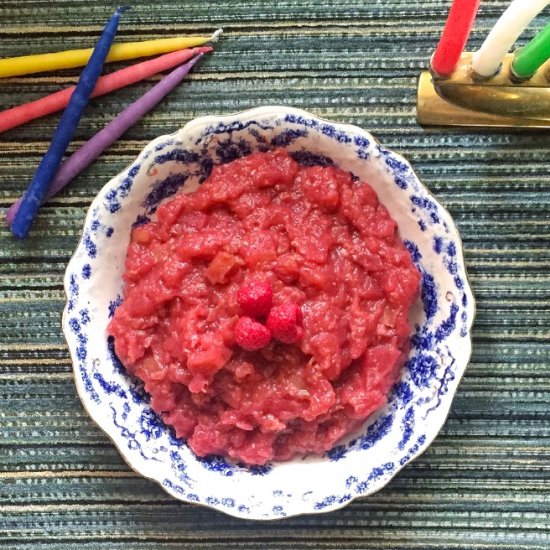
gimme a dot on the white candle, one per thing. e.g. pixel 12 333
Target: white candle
pixel 486 61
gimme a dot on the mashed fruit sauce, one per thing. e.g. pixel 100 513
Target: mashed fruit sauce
pixel 326 250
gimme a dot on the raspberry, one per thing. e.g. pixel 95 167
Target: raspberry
pixel 251 335
pixel 255 298
pixel 285 322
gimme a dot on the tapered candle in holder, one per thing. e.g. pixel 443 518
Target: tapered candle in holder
pixel 491 87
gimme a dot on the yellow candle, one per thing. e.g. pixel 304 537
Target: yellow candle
pixel 27 64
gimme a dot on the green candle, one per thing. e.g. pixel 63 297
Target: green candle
pixel 528 59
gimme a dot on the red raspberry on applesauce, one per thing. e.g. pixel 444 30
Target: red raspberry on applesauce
pixel 251 335
pixel 285 323
pixel 255 298
pixel 215 288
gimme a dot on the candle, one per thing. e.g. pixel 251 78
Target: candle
pixel 86 154
pixel 28 64
pixel 486 61
pixel 49 104
pixel 454 36
pixel 64 132
pixel 528 59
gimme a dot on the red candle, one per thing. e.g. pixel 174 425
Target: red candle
pixel 454 36
pixel 16 116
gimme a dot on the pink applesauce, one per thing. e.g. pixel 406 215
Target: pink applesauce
pixel 323 242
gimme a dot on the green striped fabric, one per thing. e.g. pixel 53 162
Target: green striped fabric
pixel 484 483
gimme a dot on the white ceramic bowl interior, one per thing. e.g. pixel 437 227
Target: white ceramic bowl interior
pixel 419 403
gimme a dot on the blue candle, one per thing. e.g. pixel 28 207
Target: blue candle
pixel 65 130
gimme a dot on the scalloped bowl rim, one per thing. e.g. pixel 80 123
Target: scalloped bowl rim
pixel 203 122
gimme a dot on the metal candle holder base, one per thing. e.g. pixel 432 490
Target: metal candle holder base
pixel 463 99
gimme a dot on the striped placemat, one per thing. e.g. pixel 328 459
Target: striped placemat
pixel 484 483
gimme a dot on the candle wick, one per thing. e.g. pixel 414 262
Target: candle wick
pixel 216 35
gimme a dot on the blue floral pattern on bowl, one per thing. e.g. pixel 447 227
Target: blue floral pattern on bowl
pixel 362 463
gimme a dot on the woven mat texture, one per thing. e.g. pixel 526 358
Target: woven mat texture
pixel 485 481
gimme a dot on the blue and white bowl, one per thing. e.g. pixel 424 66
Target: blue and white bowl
pixel 360 464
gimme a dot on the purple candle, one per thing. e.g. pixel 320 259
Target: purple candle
pixel 86 154
pixel 33 197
